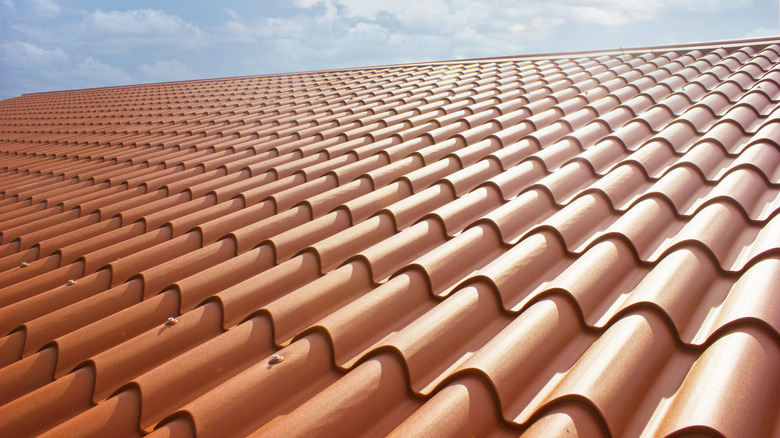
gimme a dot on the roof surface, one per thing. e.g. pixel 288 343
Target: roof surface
pixel 584 244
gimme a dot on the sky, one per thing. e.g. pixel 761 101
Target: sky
pixel 48 45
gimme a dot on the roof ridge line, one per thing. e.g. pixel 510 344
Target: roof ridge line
pixel 554 55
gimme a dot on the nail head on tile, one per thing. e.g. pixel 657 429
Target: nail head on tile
pixel 71 282
pixel 24 265
pixel 171 321
pixel 276 358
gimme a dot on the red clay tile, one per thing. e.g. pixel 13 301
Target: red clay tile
pixel 721 408
pixel 585 244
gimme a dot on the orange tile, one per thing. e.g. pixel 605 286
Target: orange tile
pixel 544 245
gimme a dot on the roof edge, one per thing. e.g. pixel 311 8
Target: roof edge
pixel 728 44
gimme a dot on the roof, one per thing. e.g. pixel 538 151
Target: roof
pixel 583 244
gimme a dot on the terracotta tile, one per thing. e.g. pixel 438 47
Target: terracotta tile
pixel 19 266
pixel 28 374
pixel 362 207
pixel 68 318
pixel 517 178
pixel 288 243
pixel 95 260
pixel 722 229
pixel 201 214
pixel 567 181
pixel 56 402
pixel 332 251
pixel 707 157
pixel 570 221
pixel 15 212
pixel 256 194
pixel 42 300
pixel 581 243
pixel 465 210
pixel 647 370
pixel 186 377
pixel 567 419
pixel 370 400
pixel 743 187
pixel 599 280
pixel 748 347
pixel 240 300
pixel 465 407
pixel 75 251
pixel 547 340
pixel 763 157
pixel 194 289
pixel 17 291
pixel 29 239
pixel 379 313
pixel 119 414
pixel 393 253
pixel 10 234
pixel 153 347
pixel 83 343
pixel 623 184
pixel 307 360
pixel 12 209
pixel 168 210
pixel 162 274
pixel 536 258
pixel 160 181
pixel 324 202
pixel 253 225
pixel 647 225
pixel 748 298
pixel 655 157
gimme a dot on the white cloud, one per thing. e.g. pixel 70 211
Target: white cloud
pixel 405 10
pixel 517 29
pixel 48 8
pixel 450 16
pixel 161 71
pixel 341 33
pixel 711 5
pixel 231 13
pixel 247 31
pixel 370 30
pixel 622 12
pixel 153 45
pixel 143 28
pixel 761 32
pixel 21 53
pixel 426 30
pixel 96 73
pixel 306 4
pixel 542 28
pixel 141 21
pixel 331 11
pixel 667 38
pixel 368 9
pixel 602 16
pixel 435 16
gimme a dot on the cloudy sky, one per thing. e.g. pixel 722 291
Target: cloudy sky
pixel 57 44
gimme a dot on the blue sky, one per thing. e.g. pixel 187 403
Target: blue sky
pixel 56 45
